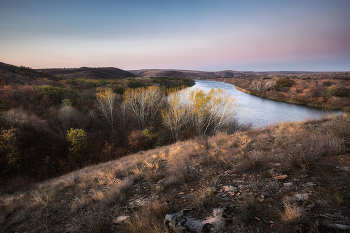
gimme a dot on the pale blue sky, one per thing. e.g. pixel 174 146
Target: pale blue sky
pixel 310 35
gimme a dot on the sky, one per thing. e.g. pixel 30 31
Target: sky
pixel 208 35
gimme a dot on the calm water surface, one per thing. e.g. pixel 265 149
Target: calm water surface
pixel 263 112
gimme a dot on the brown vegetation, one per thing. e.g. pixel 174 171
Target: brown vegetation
pixel 291 177
pixel 36 116
pixel 323 90
pixel 282 178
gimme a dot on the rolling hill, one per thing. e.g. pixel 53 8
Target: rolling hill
pixel 202 74
pixel 89 73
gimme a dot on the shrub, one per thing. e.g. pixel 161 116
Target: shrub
pixel 135 84
pixel 55 94
pixel 77 138
pixel 284 82
pixel 9 155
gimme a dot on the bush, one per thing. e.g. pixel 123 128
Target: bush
pixel 119 90
pixel 135 84
pixel 77 138
pixel 284 82
pixel 55 94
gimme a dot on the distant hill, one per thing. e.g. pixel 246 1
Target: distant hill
pixel 181 73
pixel 89 73
pixel 202 74
pixel 21 75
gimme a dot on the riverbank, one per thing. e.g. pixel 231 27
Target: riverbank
pixel 261 112
pixel 290 101
pixel 327 94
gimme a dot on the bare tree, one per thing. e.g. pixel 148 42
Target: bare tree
pixel 106 106
pixel 143 103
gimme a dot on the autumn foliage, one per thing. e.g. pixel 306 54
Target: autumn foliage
pixel 323 90
pixel 53 125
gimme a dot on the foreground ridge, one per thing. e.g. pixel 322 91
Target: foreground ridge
pixel 291 177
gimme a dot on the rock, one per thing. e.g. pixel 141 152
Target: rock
pixel 302 196
pixel 180 221
pixel 309 184
pixel 311 206
pixel 326 226
pixel 288 184
pixel 228 214
pixel 208 227
pixel 261 198
pixel 215 220
pixel 120 219
pixel 280 177
pixel 190 167
pixel 139 202
pixel 229 189
pixel 184 221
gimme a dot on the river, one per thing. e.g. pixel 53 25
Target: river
pixel 262 112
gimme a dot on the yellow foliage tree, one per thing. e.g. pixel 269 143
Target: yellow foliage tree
pixel 176 115
pixel 211 111
pixel 77 138
pixel 207 112
pixel 8 151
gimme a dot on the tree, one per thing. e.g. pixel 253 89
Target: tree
pixel 176 114
pixel 67 114
pixel 9 154
pixel 54 94
pixel 284 82
pixel 77 138
pixel 106 105
pixel 143 103
pixel 211 111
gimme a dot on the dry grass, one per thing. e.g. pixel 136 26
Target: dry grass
pixel 291 213
pixel 89 199
pixel 148 219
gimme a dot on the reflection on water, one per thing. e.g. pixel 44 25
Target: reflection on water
pixel 262 112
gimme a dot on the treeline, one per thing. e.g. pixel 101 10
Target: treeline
pixel 327 93
pixel 47 130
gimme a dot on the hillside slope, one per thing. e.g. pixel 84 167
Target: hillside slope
pixel 287 177
pixel 90 73
pixel 203 74
pixel 20 75
pixel 182 73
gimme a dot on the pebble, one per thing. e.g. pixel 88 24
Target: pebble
pixel 302 196
pixel 229 189
pixel 309 184
pixel 120 219
pixel 288 184
pixel 281 177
